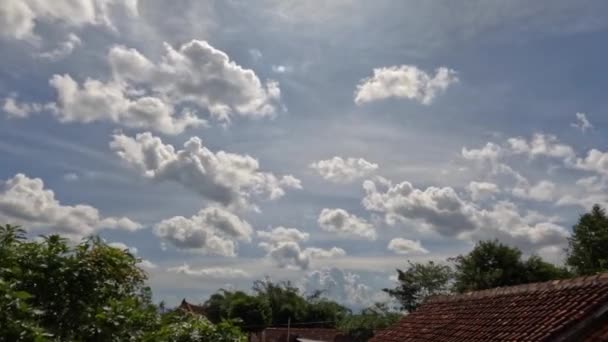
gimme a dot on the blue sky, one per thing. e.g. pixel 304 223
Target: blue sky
pixel 355 135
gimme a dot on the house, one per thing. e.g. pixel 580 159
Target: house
pixel 561 310
pixel 298 335
pixel 187 307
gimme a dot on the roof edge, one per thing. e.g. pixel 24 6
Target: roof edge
pixel 524 288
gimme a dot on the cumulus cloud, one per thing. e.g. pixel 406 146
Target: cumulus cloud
pixel 212 230
pixel 595 161
pixel 582 122
pixel 543 191
pixel 18 18
pixel 63 50
pixel 342 222
pixel 342 286
pixel 445 212
pixel 341 170
pixel 210 273
pixel 26 202
pixel 227 178
pixel 405 246
pixel 280 234
pixel 481 190
pixel 282 246
pixel 405 81
pixel 98 101
pixel 196 72
pixel 541 145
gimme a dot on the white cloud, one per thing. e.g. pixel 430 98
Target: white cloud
pixel 482 190
pixel 18 18
pixel 405 246
pixel 342 222
pixel 595 161
pixel 490 153
pixel 210 273
pixel 582 122
pixel 341 170
pixel 196 72
pixel 147 264
pixel 280 234
pixel 20 110
pixel 212 230
pixel 63 50
pixel 26 202
pixel 282 69
pixel 282 246
pixel 226 178
pixel 97 101
pixel 342 286
pixel 541 145
pixel 440 207
pixel 443 211
pixel 543 191
pixel 405 81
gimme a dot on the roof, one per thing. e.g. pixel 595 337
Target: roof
pixel 560 310
pixel 197 309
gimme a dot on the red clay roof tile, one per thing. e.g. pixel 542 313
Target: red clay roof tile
pixel 531 312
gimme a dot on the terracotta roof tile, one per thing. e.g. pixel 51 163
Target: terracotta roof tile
pixel 531 312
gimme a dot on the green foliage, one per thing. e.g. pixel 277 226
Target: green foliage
pixel 420 281
pixel 52 291
pixel 284 299
pixel 492 264
pixel 186 327
pixel 361 327
pixel 587 249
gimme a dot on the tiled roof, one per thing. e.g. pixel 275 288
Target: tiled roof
pixel 197 309
pixel 570 309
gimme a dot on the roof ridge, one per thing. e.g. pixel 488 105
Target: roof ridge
pixel 558 284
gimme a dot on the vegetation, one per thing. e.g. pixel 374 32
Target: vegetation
pixel 587 247
pixel 51 291
pixel 361 327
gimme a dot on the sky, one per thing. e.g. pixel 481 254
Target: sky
pixel 322 142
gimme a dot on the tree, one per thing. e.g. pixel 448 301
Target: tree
pixel 361 327
pixel 587 247
pixel 284 299
pixel 54 291
pixel 492 264
pixel 187 327
pixel 420 281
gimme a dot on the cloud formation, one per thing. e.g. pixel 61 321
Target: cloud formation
pixel 226 178
pixel 198 73
pixel 405 246
pixel 25 201
pixel 282 246
pixel 582 122
pixel 210 273
pixel 341 170
pixel 405 81
pixel 443 211
pixel 19 18
pixel 344 223
pixel 213 230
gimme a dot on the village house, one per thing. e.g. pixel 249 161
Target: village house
pixel 561 310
